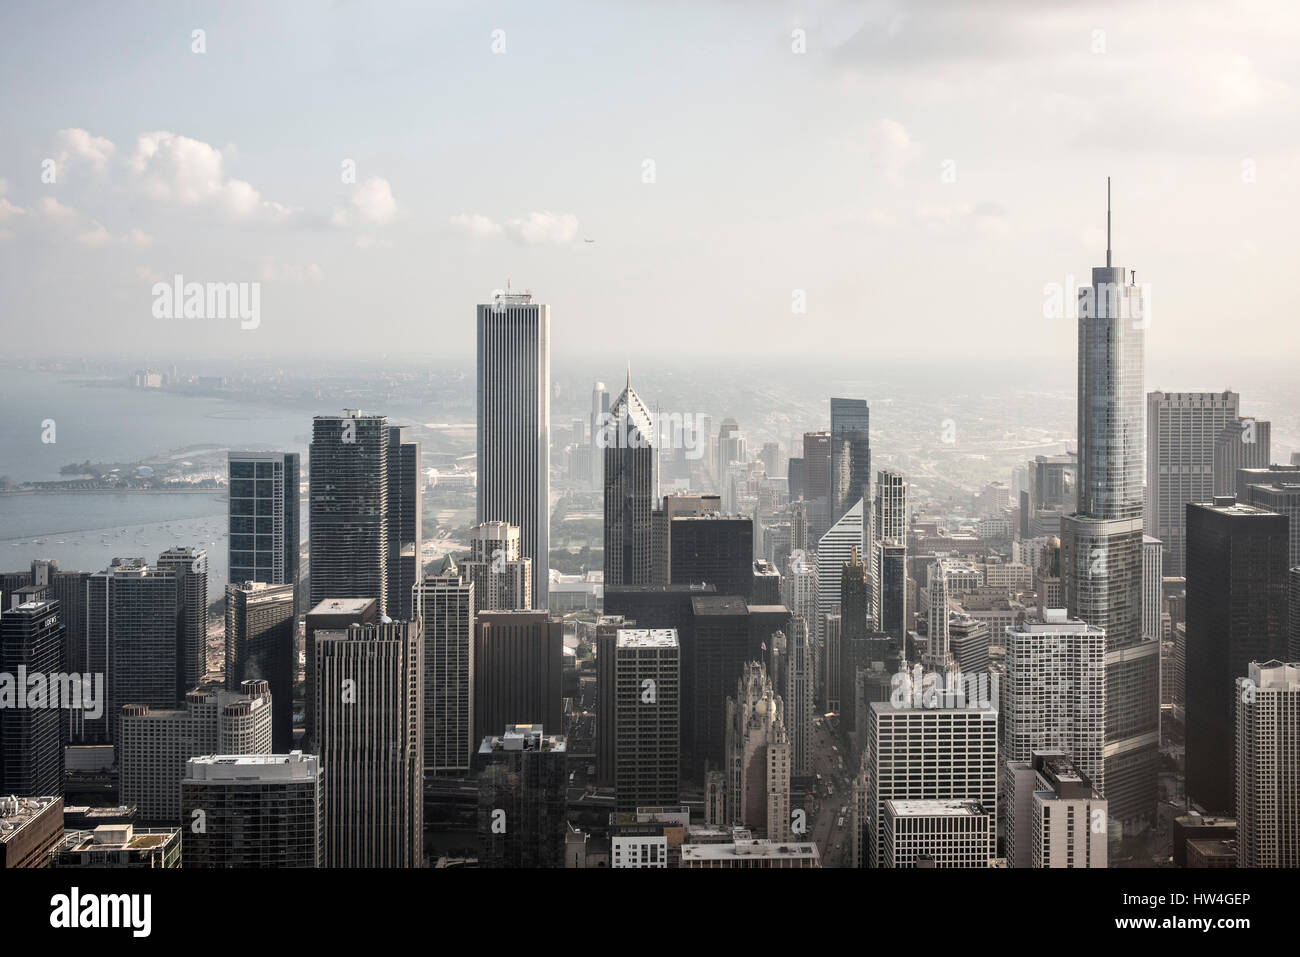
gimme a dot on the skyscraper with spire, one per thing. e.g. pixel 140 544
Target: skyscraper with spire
pixel 1101 545
pixel 627 445
pixel 514 425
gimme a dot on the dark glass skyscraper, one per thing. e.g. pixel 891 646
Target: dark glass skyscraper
pixel 627 442
pixel 1101 545
pixel 850 477
pixel 261 642
pixel 31 745
pixel 265 538
pixel 1236 614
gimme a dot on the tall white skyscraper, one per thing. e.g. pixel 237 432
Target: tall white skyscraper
pixel 1055 817
pixel 503 581
pixel 514 425
pixel 926 754
pixel 1056 692
pixel 1268 765
pixel 1153 577
pixel 834 549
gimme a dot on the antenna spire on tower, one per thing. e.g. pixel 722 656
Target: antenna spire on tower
pixel 1107 222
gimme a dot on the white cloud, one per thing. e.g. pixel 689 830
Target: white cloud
pixel 7 209
pixel 476 225
pixel 51 207
pixel 176 169
pixel 95 235
pixel 544 227
pixel 374 201
pixel 75 145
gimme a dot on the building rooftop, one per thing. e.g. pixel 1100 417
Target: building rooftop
pixel 342 606
pixel 647 638
pixel 17 812
pixel 749 849
pixel 119 837
pixel 523 737
pixel 252 767
pixel 934 808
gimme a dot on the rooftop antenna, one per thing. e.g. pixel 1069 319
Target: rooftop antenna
pixel 629 374
pixel 1107 222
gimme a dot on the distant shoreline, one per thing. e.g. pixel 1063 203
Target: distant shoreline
pixel 114 491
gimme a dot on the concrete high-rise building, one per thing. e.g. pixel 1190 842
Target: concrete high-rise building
pixel 855 592
pixel 349 507
pixel 817 468
pixel 518 669
pixel 1236 614
pixel 1182 429
pixel 926 754
pixel 31 736
pixel 928 833
pixel 647 731
pixel 888 526
pixel 133 632
pixel 254 810
pixel 1101 544
pixel 630 458
pixel 445 605
pixel 757 770
pixel 265 534
pixel 332 613
pixel 370 734
pixel 405 500
pixel 154 745
pixel 522 797
pixel 1267 759
pixel 1049 494
pixel 503 580
pixel 119 845
pixel 1055 816
pixel 262 642
pixel 1055 695
pixel 937 615
pixel 850 464
pixel 1243 444
pixel 190 566
pixel 514 425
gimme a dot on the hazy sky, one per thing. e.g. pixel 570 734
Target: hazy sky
pixel 921 172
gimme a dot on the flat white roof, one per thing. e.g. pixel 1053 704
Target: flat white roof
pixel 647 638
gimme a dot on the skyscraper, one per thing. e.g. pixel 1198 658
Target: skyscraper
pixel 503 581
pixel 757 769
pixel 1268 765
pixel 154 744
pixel 1236 614
pixel 1243 444
pixel 850 465
pixel 628 452
pixel 262 642
pixel 404 504
pixel 926 754
pixel 265 538
pixel 332 613
pixel 647 721
pixel 1182 431
pixel 522 797
pixel 257 810
pixel 1101 545
pixel 1055 698
pixel 514 424
pixel 190 566
pixel 833 550
pixel 518 669
pixel 133 629
pixel 349 507
pixel 370 733
pixel 31 744
pixel 445 605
